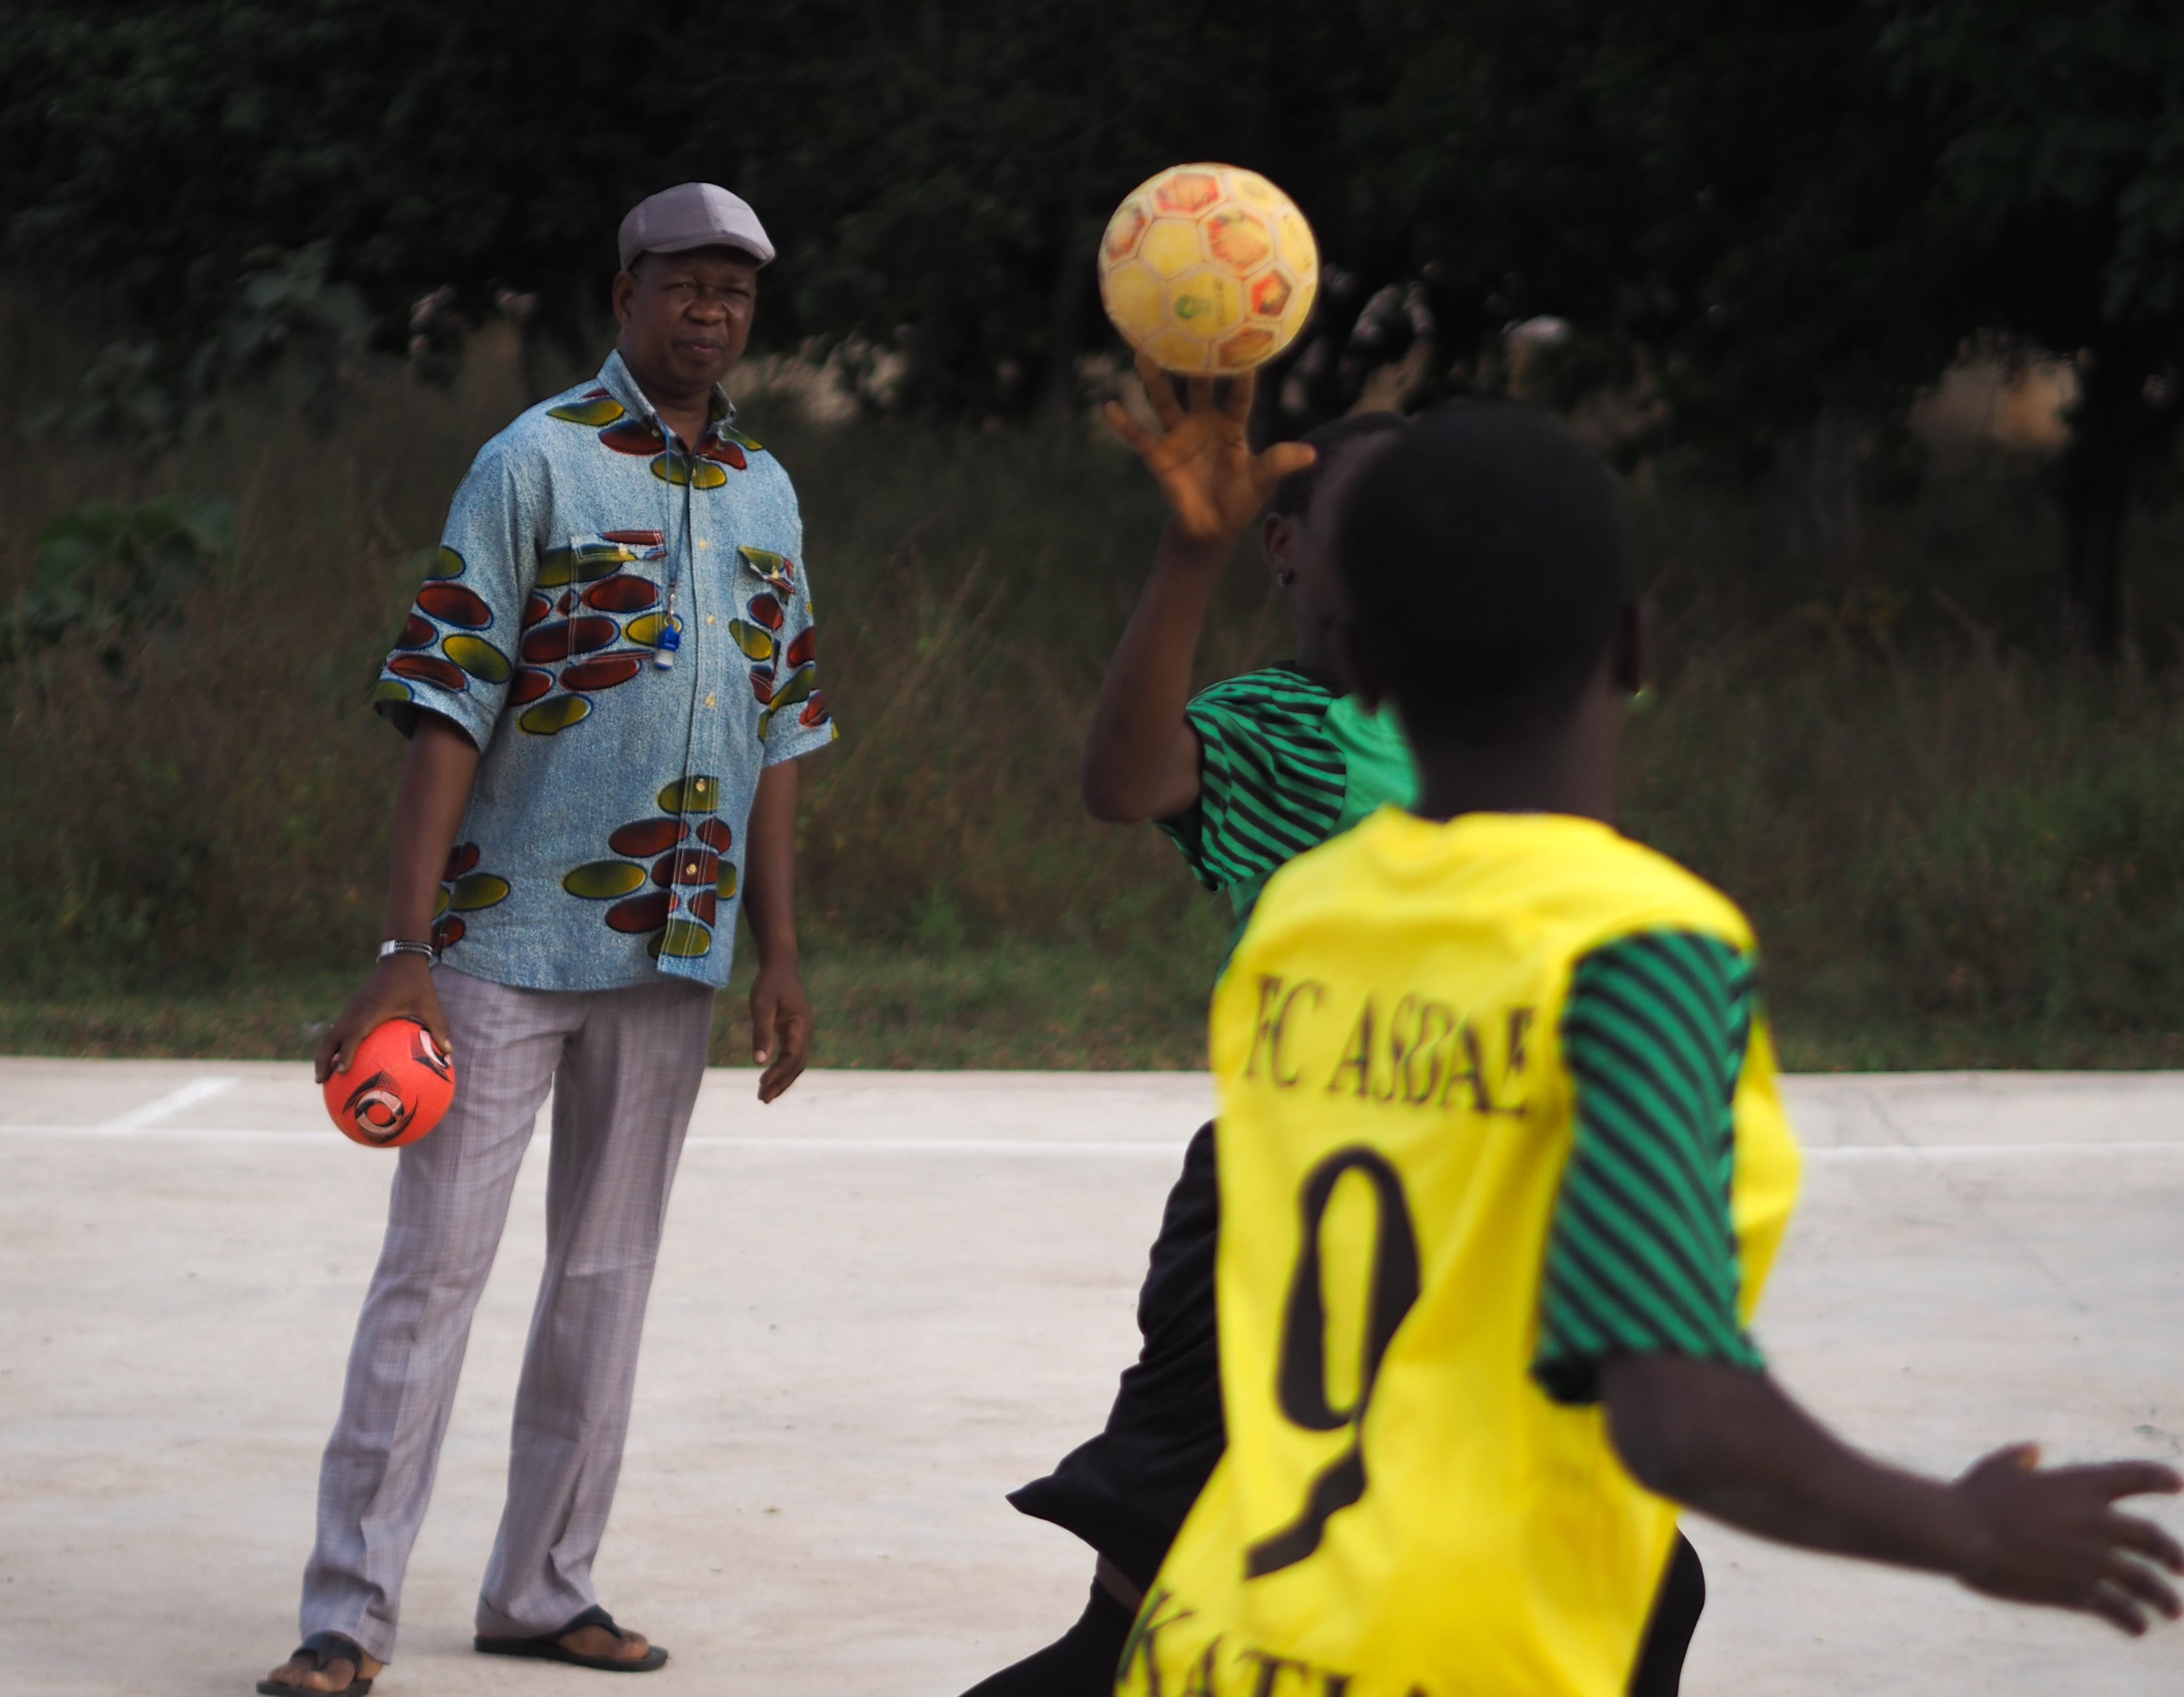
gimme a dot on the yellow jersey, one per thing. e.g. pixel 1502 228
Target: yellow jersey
pixel 1402 1510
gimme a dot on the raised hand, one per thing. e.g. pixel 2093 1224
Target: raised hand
pixel 1201 457
pixel 2053 1536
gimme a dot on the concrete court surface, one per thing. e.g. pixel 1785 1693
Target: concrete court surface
pixel 892 1297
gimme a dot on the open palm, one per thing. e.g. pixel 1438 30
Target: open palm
pixel 1201 457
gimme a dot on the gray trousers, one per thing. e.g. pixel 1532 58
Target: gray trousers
pixel 624 1066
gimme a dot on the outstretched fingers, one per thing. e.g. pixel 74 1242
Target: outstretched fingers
pixel 2123 1553
pixel 2116 1609
pixel 2118 1479
pixel 2142 1537
pixel 1140 441
pixel 1160 392
pixel 2141 1581
pixel 1238 403
pixel 1284 458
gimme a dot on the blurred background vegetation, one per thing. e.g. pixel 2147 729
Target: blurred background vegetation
pixel 1876 303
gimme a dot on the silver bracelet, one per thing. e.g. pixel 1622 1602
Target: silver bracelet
pixel 402 945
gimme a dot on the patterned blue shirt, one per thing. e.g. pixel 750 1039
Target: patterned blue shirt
pixel 605 840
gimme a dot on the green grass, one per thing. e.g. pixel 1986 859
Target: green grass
pixel 1009 1005
pixel 1958 849
pixel 267 1022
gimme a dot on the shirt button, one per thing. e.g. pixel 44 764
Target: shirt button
pixel 708 618
pixel 702 542
pixel 708 701
pixel 690 870
pixel 700 787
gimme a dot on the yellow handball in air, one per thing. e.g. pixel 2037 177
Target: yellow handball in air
pixel 1210 269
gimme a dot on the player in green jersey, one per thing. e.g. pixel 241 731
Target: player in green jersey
pixel 1250 773
pixel 1243 777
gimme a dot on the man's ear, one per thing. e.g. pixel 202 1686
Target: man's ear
pixel 625 289
pixel 1631 652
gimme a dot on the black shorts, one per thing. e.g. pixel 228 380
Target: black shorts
pixel 1126 1492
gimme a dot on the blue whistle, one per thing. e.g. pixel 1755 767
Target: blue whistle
pixel 669 642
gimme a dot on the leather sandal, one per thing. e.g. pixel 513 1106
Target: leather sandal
pixel 324 1648
pixel 549 1647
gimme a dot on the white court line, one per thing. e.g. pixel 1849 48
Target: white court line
pixel 939 1145
pixel 987 1146
pixel 237 1134
pixel 167 1106
pixel 177 1134
pixel 1856 1152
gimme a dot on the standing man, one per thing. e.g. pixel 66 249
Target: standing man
pixel 605 682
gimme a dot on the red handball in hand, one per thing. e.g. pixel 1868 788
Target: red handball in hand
pixel 397 1086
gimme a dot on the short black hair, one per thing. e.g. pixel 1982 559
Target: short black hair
pixel 1293 495
pixel 1488 566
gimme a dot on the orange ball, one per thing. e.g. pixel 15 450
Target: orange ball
pixel 397 1086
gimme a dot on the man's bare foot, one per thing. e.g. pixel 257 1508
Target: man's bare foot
pixel 625 1646
pixel 305 1671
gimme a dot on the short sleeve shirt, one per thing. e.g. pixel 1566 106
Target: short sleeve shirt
pixel 605 840
pixel 1643 1257
pixel 1286 761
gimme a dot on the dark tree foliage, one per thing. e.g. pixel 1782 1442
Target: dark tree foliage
pixel 149 149
pixel 2056 212
pixel 937 173
pixel 1768 218
pixel 1721 197
pixel 1776 215
pixel 949 168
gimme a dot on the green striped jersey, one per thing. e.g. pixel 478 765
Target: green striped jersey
pixel 1642 1258
pixel 1286 762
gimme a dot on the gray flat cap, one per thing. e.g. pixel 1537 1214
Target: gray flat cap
pixel 692 214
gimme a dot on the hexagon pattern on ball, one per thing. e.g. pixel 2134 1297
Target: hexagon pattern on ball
pixel 1209 268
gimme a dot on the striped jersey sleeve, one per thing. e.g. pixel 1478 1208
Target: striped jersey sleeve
pixel 1642 1256
pixel 1271 780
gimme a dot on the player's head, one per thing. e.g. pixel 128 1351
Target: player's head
pixel 1487 571
pixel 1299 532
pixel 1292 496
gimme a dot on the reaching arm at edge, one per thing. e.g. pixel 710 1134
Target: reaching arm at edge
pixel 1639 1308
pixel 1141 758
pixel 1728 1442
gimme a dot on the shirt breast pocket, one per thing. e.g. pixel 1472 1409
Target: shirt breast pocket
pixel 761 588
pixel 597 592
pixel 777 636
pixel 757 569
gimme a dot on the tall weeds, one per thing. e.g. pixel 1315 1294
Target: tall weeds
pixel 215 804
pixel 1965 857
pixel 1957 849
